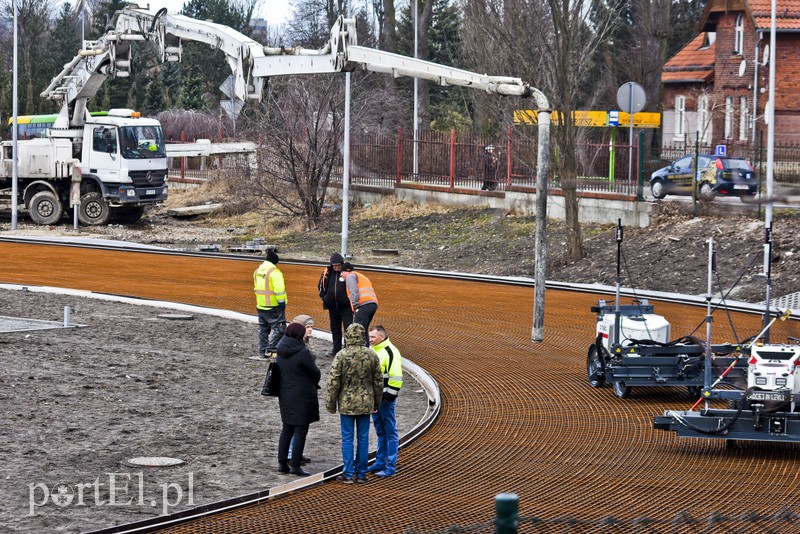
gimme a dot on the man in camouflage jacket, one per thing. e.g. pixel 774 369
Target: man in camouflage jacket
pixel 355 384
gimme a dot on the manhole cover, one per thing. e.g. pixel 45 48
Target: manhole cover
pixel 176 316
pixel 154 461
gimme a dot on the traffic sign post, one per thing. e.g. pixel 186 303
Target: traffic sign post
pixel 631 98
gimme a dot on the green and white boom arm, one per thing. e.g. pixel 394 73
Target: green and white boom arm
pixel 251 63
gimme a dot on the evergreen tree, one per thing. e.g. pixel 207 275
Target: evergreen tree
pixel 154 96
pixel 63 44
pixel 684 16
pixel 191 94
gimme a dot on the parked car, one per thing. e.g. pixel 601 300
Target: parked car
pixel 715 175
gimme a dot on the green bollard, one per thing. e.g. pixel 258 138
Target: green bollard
pixel 506 508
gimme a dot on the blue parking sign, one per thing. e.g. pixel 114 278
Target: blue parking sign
pixel 720 150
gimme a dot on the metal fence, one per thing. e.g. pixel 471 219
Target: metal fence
pixel 456 161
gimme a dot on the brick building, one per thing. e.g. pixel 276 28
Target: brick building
pixel 716 87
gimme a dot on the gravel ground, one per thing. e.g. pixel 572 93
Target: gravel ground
pixel 77 403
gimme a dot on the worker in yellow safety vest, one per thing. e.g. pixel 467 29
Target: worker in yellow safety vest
pixel 270 290
pixel 384 419
pixel 362 297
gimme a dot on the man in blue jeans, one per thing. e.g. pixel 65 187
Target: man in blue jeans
pixel 384 419
pixel 355 386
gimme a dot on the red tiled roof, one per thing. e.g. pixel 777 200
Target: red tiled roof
pixel 787 14
pixel 694 63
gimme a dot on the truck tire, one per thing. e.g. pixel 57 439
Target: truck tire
pixel 45 208
pixel 127 215
pixel 93 210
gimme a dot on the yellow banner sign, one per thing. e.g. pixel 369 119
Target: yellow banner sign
pixel 592 118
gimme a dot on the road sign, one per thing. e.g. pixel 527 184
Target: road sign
pixel 232 107
pixel 631 97
pixel 720 150
pixel 643 119
pixel 613 118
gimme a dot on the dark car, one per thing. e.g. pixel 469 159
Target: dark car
pixel 715 175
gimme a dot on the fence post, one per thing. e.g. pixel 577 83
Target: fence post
pixel 183 159
pixel 506 509
pixel 508 160
pixel 452 158
pixel 640 166
pixel 399 154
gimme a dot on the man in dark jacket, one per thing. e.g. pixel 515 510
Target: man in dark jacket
pixel 333 292
pixel 297 396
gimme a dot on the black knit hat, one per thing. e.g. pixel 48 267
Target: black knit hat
pixel 347 266
pixel 336 259
pixel 272 256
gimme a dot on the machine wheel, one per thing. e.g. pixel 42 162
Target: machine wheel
pixel 128 215
pixel 694 391
pixel 93 210
pixel 45 208
pixel 621 390
pixel 705 191
pixel 657 189
pixel 594 368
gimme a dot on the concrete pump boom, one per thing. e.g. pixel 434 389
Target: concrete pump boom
pixel 251 63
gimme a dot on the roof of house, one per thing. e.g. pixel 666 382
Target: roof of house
pixel 787 13
pixel 693 63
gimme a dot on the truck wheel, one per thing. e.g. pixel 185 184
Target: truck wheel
pixel 45 208
pixel 93 210
pixel 128 215
pixel 621 390
pixel 594 368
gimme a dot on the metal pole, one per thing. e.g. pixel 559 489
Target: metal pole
pixel 346 155
pixel 416 97
pixel 711 269
pixel 540 260
pixel 15 133
pixel 770 159
pixel 630 132
pixel 506 509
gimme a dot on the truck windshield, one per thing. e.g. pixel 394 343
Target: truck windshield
pixel 142 142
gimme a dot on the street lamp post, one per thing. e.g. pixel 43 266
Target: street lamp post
pixel 14 134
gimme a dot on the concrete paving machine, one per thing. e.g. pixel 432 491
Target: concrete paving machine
pixel 632 347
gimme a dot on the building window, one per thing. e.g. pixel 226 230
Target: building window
pixel 702 116
pixel 680 116
pixel 728 117
pixel 738 35
pixel 744 119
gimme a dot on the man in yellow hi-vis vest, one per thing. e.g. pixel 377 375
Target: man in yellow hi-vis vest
pixel 384 418
pixel 270 290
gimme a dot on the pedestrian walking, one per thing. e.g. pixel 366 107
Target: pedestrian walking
pixel 355 387
pixel 490 164
pixel 271 299
pixel 362 297
pixel 333 292
pixel 297 397
pixel 384 419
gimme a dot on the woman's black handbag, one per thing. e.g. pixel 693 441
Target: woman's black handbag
pixel 270 388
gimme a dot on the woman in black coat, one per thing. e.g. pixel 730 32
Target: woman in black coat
pixel 297 396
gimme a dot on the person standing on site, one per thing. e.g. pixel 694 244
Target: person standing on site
pixel 384 419
pixel 362 297
pixel 333 292
pixel 490 164
pixel 297 396
pixel 355 387
pixel 270 290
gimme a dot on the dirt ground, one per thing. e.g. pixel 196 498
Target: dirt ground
pixel 669 255
pixel 78 402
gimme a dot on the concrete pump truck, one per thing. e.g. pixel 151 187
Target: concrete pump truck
pixel 117 164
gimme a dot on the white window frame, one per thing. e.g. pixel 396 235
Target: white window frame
pixel 702 116
pixel 738 35
pixel 744 118
pixel 728 117
pixel 680 117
